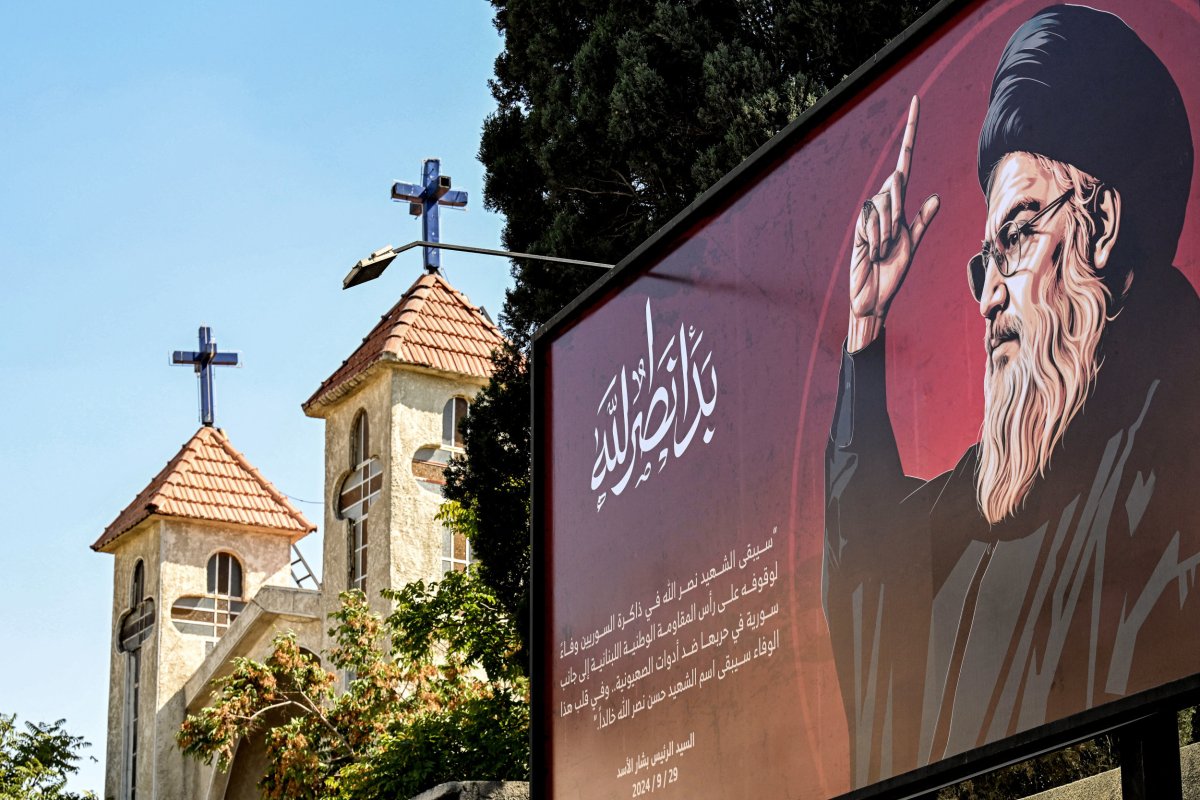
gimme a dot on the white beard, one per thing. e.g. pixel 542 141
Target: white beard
pixel 1030 400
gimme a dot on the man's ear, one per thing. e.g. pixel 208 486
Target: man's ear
pixel 1107 218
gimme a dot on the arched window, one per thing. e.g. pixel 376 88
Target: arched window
pixel 225 576
pixel 138 622
pixel 136 626
pixel 137 586
pixel 360 440
pixel 211 614
pixel 454 412
pixel 359 492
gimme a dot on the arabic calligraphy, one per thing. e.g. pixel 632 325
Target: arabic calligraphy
pixel 687 641
pixel 663 416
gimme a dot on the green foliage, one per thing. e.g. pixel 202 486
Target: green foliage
pixel 458 618
pixel 1189 726
pixel 611 116
pixel 1039 774
pixel 36 762
pixel 324 731
pixel 1057 768
pixel 484 735
pixel 489 490
pixel 417 712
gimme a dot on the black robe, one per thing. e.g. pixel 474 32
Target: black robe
pixel 949 634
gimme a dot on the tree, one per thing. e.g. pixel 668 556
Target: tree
pixel 432 698
pixel 611 116
pixel 1058 767
pixel 470 727
pixel 36 762
pixel 1047 771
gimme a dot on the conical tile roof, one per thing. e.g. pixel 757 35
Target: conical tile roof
pixel 209 480
pixel 434 325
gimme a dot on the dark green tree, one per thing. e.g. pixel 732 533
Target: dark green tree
pixel 611 116
pixel 1056 768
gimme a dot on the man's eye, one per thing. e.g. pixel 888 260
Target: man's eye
pixel 1010 236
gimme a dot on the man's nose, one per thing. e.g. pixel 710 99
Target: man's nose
pixel 994 297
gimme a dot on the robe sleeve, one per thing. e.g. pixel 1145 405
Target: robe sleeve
pixel 876 576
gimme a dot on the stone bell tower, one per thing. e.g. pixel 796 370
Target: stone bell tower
pixel 391 414
pixel 191 551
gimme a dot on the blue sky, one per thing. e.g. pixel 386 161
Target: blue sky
pixel 165 165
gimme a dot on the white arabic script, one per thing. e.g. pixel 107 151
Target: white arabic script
pixel 662 417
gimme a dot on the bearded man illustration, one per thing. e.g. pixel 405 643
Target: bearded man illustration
pixel 1028 583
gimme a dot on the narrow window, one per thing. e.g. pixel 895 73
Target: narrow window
pixel 133 668
pixel 135 628
pixel 137 588
pixel 211 614
pixel 359 492
pixel 359 440
pixel 454 412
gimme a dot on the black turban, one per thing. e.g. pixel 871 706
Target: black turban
pixel 1077 85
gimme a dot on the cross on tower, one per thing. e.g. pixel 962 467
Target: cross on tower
pixel 423 202
pixel 203 360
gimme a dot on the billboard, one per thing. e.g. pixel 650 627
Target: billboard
pixel 878 462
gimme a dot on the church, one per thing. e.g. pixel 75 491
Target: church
pixel 205 567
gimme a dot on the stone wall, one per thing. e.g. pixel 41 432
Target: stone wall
pixel 175 555
pixel 139 544
pixel 418 399
pixel 404 406
pixel 477 790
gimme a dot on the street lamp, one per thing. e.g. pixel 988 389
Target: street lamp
pixel 371 267
pixel 424 200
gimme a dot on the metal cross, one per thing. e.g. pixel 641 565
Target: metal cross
pixel 423 202
pixel 203 360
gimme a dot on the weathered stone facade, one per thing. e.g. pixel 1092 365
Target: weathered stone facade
pixel 174 554
pixel 432 347
pixel 404 406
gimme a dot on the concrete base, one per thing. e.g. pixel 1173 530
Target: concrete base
pixel 477 790
pixel 1107 785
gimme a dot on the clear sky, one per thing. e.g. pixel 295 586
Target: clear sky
pixel 166 165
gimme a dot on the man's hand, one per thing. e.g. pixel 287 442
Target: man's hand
pixel 884 244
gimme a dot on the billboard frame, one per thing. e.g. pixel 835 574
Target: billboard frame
pixel 1144 723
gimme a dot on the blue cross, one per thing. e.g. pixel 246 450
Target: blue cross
pixel 423 202
pixel 203 360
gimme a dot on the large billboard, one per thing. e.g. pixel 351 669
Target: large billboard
pixel 880 460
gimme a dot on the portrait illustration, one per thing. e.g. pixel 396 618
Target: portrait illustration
pixel 1040 576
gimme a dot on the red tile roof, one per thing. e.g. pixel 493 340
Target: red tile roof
pixel 434 325
pixel 209 480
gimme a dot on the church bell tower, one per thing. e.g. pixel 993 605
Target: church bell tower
pixel 190 553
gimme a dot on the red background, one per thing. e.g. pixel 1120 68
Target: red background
pixel 765 278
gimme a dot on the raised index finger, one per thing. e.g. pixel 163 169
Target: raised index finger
pixel 910 136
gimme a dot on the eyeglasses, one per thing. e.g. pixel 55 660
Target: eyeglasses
pixel 1009 247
